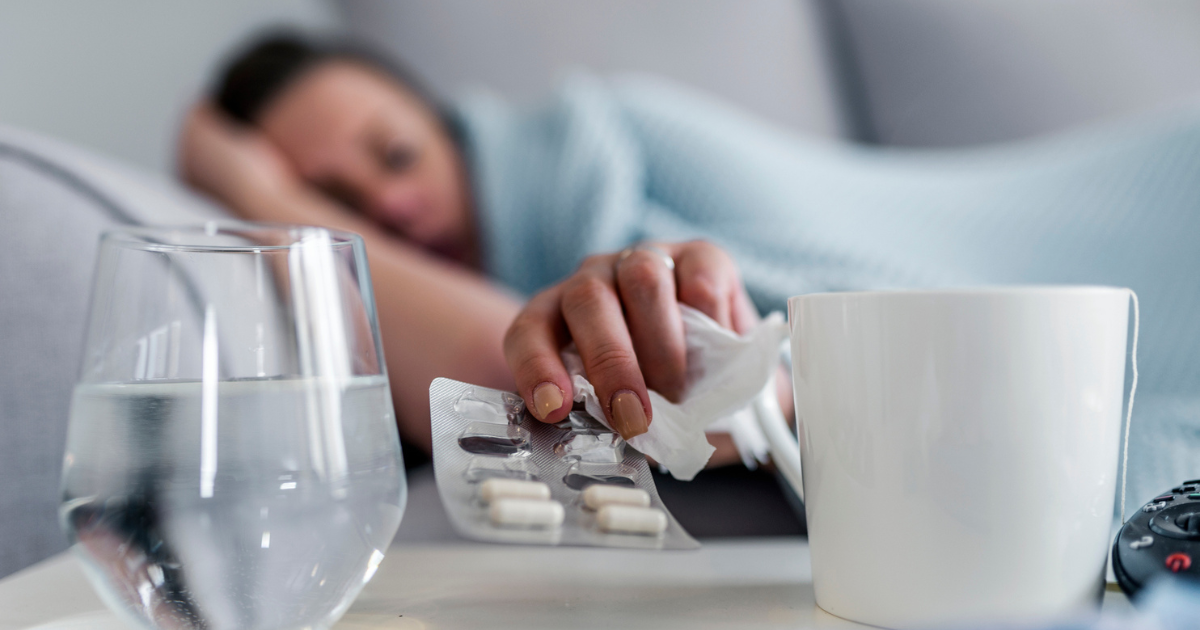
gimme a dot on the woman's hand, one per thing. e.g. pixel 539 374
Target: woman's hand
pixel 622 312
pixel 230 161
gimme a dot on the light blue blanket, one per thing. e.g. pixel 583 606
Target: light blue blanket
pixel 604 165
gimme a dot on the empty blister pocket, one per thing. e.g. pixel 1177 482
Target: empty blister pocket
pixel 580 475
pixel 487 438
pixel 489 405
pixel 580 421
pixel 483 468
pixel 606 448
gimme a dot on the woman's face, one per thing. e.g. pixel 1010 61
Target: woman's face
pixel 367 141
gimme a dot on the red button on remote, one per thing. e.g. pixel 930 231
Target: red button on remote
pixel 1177 562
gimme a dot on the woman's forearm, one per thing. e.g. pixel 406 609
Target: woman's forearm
pixel 436 319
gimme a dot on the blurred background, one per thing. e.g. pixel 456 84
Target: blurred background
pixel 116 76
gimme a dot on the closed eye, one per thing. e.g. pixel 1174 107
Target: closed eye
pixel 397 158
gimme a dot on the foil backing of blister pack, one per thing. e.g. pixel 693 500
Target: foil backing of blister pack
pixel 480 433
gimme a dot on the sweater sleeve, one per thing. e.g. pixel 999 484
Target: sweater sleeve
pixel 553 184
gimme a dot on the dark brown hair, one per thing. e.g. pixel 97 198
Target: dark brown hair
pixel 262 70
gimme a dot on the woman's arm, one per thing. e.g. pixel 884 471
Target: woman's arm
pixel 437 319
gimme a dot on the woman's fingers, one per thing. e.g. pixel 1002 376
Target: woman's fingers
pixel 745 315
pixel 647 289
pixel 622 312
pixel 708 280
pixel 592 311
pixel 531 347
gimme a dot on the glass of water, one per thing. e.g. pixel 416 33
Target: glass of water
pixel 232 460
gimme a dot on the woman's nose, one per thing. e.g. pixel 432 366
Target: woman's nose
pixel 393 199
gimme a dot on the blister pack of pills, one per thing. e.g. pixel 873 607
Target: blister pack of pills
pixel 506 477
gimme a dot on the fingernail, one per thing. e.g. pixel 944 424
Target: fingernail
pixel 547 398
pixel 628 414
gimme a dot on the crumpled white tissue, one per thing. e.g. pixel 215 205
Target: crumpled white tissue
pixel 725 372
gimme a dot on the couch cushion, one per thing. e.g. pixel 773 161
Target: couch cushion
pixel 951 73
pixel 55 201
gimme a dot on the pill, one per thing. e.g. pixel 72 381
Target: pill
pixel 599 495
pixel 494 489
pixel 526 513
pixel 630 519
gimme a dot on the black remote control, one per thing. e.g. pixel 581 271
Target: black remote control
pixel 1162 538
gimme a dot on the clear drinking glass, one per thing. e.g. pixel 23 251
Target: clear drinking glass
pixel 232 460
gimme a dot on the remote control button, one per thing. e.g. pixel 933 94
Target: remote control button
pixel 1189 523
pixel 1154 507
pixel 1194 495
pixel 1192 482
pixel 1180 521
pixel 1165 497
pixel 1179 561
pixel 1144 541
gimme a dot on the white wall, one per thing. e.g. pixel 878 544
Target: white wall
pixel 768 56
pixel 116 75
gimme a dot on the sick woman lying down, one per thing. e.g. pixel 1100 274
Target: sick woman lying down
pixel 494 231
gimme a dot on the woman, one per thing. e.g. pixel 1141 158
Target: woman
pixel 540 199
pixel 331 136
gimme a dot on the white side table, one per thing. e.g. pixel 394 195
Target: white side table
pixel 743 585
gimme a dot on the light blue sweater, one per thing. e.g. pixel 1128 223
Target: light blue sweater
pixel 604 165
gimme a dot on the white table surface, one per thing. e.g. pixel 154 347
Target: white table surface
pixel 747 584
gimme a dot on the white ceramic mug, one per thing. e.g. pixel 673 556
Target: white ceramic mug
pixel 959 449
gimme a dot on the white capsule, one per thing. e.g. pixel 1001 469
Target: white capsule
pixel 526 513
pixel 631 520
pixel 498 488
pixel 598 495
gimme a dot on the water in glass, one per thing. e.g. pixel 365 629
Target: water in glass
pixel 233 501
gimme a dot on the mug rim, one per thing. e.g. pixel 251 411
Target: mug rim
pixel 972 291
